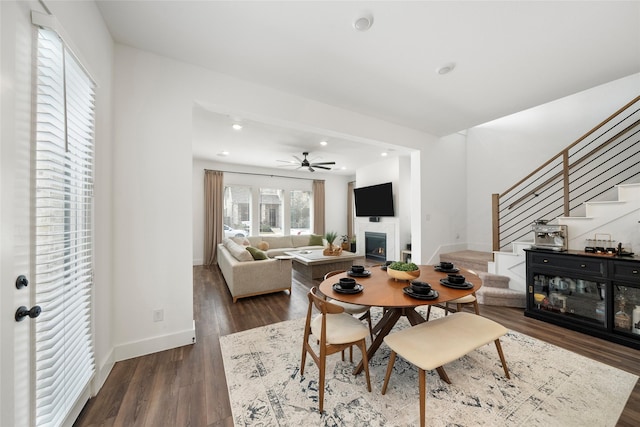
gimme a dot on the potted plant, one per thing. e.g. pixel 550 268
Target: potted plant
pixel 331 249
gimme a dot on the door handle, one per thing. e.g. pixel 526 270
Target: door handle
pixel 23 312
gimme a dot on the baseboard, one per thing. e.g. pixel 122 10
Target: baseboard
pixel 103 369
pixel 153 345
pixel 198 262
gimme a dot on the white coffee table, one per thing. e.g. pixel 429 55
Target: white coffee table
pixel 313 264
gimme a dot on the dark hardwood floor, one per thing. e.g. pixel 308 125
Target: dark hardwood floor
pixel 187 387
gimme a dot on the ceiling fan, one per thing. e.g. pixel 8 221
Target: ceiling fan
pixel 304 163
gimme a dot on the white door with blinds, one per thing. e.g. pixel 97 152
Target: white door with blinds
pixel 63 252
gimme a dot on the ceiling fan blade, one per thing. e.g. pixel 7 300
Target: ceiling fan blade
pixel 298 159
pixel 323 163
pixel 321 167
pixel 311 169
pixel 286 161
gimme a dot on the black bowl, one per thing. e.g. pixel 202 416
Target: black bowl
pixel 420 287
pixel 357 268
pixel 457 279
pixel 347 283
pixel 446 265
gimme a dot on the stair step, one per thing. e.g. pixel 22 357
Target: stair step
pixel 494 280
pixel 501 297
pixel 471 260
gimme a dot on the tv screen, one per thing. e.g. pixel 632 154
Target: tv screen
pixel 374 200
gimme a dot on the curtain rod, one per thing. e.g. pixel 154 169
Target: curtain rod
pixel 264 174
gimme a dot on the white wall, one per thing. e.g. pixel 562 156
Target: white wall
pixel 335 194
pixel 502 152
pixel 441 208
pixel 154 211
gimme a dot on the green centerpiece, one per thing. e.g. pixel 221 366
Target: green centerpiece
pixel 403 270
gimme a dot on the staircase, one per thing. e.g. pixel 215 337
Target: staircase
pixel 495 288
pixel 617 218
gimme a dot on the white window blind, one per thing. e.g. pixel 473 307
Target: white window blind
pixel 64 361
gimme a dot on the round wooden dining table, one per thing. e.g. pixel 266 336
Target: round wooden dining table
pixel 380 290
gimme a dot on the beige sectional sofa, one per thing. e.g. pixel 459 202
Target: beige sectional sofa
pixel 247 277
pixel 278 245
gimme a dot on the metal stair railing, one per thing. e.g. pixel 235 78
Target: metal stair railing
pixel 589 168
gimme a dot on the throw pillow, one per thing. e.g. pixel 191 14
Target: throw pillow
pixel 315 240
pixel 263 246
pixel 256 253
pixel 238 251
pixel 241 241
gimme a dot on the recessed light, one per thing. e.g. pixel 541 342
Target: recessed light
pixel 236 126
pixel 383 154
pixel 445 69
pixel 323 143
pixel 223 153
pixel 363 23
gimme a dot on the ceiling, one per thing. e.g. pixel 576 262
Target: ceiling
pixel 507 55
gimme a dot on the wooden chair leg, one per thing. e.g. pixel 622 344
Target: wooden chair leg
pixel 476 307
pixel 423 396
pixel 323 363
pixel 365 362
pixel 504 362
pixel 392 360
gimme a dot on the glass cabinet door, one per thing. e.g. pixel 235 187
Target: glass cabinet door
pixel 575 298
pixel 626 308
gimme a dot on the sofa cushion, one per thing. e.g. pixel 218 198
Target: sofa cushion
pixel 239 252
pixel 315 240
pixel 300 240
pixel 256 253
pixel 263 246
pixel 276 242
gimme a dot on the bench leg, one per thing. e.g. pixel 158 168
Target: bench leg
pixel 392 360
pixel 443 375
pixel 423 395
pixel 501 354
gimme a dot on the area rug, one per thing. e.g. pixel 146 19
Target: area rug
pixel 549 386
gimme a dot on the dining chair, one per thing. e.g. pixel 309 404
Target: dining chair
pixel 362 311
pixel 336 331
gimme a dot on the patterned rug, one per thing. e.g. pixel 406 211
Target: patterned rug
pixel 549 386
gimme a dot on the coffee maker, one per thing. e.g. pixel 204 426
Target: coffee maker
pixel 549 237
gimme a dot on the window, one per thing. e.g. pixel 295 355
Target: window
pixel 237 210
pixel 280 211
pixel 300 212
pixel 64 361
pixel 271 214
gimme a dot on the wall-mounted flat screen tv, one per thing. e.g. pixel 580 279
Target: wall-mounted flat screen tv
pixel 374 200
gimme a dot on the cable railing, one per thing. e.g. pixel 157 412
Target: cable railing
pixel 588 169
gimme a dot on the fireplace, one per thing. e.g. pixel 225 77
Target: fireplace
pixel 375 245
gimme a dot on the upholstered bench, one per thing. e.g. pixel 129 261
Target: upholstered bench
pixel 432 344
